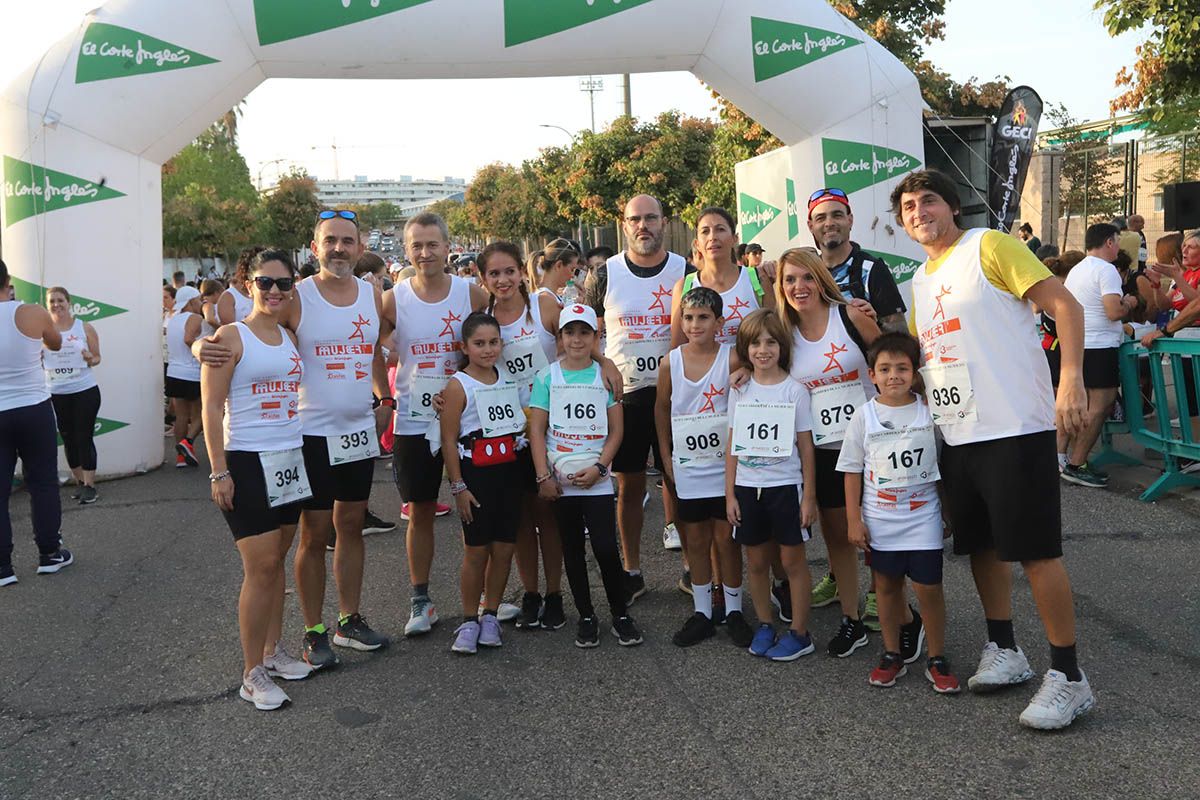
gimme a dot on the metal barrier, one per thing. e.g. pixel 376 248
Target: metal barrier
pixel 1163 438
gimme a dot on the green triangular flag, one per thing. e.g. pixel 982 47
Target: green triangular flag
pixel 30 190
pixel 110 51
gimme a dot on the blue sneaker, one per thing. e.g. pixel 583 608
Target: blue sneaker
pixel 791 646
pixel 764 640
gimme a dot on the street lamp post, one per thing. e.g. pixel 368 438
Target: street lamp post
pixel 579 223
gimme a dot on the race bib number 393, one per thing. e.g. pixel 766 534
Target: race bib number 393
pixel 950 393
pixel 345 448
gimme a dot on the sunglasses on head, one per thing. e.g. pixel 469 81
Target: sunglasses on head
pixel 344 213
pixel 827 193
pixel 264 283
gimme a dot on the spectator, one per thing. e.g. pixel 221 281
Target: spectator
pixel 598 256
pixel 1025 232
pixel 1137 224
pixel 1128 241
pixel 178 279
pixel 1046 251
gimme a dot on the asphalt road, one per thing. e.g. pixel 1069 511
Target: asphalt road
pixel 118 679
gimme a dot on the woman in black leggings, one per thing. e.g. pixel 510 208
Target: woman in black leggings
pixel 74 392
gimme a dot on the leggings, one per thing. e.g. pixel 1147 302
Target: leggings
pixel 599 514
pixel 76 415
pixel 28 433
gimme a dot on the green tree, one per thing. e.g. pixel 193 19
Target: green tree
pixel 457 218
pixel 290 211
pixel 1087 187
pixel 737 138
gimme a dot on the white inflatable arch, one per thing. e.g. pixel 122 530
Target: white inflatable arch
pixel 83 132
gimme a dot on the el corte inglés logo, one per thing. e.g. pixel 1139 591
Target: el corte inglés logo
pixel 851 166
pixel 754 215
pixel 30 190
pixel 901 267
pixel 781 47
pixel 110 51
pixel 526 20
pixel 281 20
pixel 82 307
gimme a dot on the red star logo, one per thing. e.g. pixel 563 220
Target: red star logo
pixel 358 328
pixel 832 355
pixel 735 310
pixel 939 311
pixel 449 319
pixel 524 332
pixel 659 294
pixel 712 393
pixel 296 361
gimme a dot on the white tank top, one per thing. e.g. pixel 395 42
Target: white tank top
pixel 66 371
pixel 637 318
pixel 739 302
pixel 181 364
pixel 428 340
pixel 262 410
pixel 833 359
pixel 908 518
pixel 22 382
pixel 585 446
pixel 709 395
pixel 242 305
pixel 528 348
pixel 961 317
pixel 337 345
pixel 546 290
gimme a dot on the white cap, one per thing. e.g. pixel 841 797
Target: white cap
pixel 184 295
pixel 577 313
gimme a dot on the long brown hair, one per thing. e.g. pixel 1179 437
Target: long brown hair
pixel 511 250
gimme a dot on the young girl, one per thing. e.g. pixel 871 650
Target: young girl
pixel 482 423
pixel 575 428
pixel 770 496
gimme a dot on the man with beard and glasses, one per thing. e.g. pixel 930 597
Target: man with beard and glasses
pixel 858 273
pixel 632 291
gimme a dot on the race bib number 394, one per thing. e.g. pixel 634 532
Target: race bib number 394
pixel 345 448
pixel 950 393
pixel 287 480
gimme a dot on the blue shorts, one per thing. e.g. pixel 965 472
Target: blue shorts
pixel 922 566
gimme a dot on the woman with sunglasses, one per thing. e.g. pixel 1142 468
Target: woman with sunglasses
pixel 254 439
pixel 550 274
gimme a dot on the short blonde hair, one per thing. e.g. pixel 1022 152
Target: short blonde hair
pixel 764 320
pixel 803 259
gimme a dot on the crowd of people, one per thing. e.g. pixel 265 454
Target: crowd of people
pixel 771 396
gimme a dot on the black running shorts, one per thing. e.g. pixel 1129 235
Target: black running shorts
pixel 252 515
pixel 345 483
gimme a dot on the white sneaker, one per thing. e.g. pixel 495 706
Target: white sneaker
pixel 424 616
pixel 1058 702
pixel 279 664
pixel 671 538
pixel 999 668
pixel 258 688
pixel 507 612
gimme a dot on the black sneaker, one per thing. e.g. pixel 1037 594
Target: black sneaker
pixel 781 598
pixel 697 628
pixel 740 632
pixel 635 587
pixel 552 612
pixel 49 563
pixel 626 632
pixel 87 495
pixel 531 611
pixel 588 632
pixel 718 604
pixel 316 651
pixel 850 636
pixel 7 575
pixel 912 638
pixel 373 524
pixel 685 582
pixel 1084 476
pixel 356 634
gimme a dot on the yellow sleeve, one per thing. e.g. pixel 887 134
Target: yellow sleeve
pixel 1009 265
pixel 912 325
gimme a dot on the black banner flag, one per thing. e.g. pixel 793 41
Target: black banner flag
pixel 1012 147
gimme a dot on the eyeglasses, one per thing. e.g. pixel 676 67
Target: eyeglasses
pixel 265 283
pixel 344 213
pixel 649 219
pixel 827 193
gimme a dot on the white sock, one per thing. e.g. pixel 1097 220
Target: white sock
pixel 702 598
pixel 733 599
pixel 1062 461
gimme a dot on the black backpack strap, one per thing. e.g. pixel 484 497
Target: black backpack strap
pixel 852 329
pixel 856 286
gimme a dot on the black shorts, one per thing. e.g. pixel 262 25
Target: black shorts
pixel 345 483
pixel 831 484
pixel 640 437
pixel 769 515
pixel 700 509
pixel 1003 495
pixel 1101 368
pixel 252 515
pixel 922 566
pixel 1054 360
pixel 499 511
pixel 181 389
pixel 418 473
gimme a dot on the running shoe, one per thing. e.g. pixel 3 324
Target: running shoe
pixel 316 651
pixel 87 495
pixel 937 670
pixel 588 632
pixel 1084 476
pixel 764 640
pixel 280 664
pixel 258 688
pixel 7 576
pixel 825 592
pixel 697 628
pixel 505 612
pixel 184 448
pixel 373 524
pixel 466 638
pixel 442 510
pixel 870 615
pixel 1058 702
pixel 552 612
pixel 891 667
pixel 531 611
pixel 685 582
pixel 781 598
pixel 791 646
pixel 50 563
pixel 912 638
pixel 489 631
pixel 422 617
pixel 626 631
pixel 635 587
pixel 851 635
pixel 999 667
pixel 78 489
pixel 180 462
pixel 355 633
pixel 740 632
pixel 671 539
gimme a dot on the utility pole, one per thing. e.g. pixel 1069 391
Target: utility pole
pixel 628 97
pixel 592 85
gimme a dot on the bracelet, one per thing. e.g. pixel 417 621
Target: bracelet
pixel 384 401
pixel 217 477
pixel 542 478
pixel 457 487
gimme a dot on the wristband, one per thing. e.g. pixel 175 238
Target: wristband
pixel 457 487
pixel 1163 330
pixel 542 478
pixel 217 477
pixel 385 401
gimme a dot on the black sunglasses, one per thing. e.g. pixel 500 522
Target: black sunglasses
pixel 265 283
pixel 824 192
pixel 344 213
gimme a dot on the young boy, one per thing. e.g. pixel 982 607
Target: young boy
pixel 889 457
pixel 693 397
